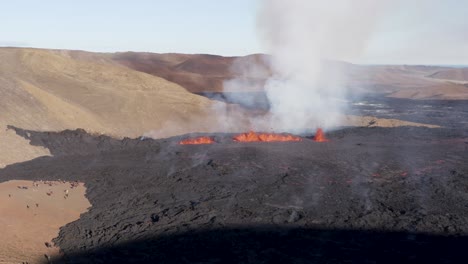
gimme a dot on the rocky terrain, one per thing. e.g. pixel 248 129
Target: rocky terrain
pixel 369 195
pixel 203 74
pixel 112 94
pixel 52 90
pixel 389 187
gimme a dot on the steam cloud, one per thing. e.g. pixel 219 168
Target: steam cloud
pixel 305 84
pixel 304 38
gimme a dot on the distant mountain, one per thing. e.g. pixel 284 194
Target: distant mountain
pixel 454 74
pixel 200 72
pixel 206 74
pixel 405 81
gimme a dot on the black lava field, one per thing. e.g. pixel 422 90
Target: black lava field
pixel 370 195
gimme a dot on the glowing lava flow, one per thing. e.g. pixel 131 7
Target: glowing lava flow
pixel 197 141
pixel 320 136
pixel 264 137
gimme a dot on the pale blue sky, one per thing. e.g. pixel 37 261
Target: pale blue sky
pixel 189 26
pixel 423 32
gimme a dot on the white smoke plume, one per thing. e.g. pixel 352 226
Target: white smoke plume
pixel 304 38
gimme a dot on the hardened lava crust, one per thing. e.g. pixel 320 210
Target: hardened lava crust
pixel 369 195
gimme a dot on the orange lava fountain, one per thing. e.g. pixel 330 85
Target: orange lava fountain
pixel 264 137
pixel 320 136
pixel 197 141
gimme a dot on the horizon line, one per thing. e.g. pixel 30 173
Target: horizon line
pixel 231 56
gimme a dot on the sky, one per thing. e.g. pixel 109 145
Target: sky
pixel 412 32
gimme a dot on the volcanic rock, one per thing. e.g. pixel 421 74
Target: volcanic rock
pixel 367 195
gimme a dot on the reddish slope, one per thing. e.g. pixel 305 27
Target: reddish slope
pixel 201 73
pixel 452 74
pixel 197 73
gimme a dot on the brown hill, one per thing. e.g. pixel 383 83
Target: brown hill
pixel 459 74
pixel 206 73
pixel 113 94
pixel 197 73
pixel 56 90
pixel 409 82
pixel 448 91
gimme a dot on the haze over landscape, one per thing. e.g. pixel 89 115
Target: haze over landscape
pixel 112 94
pixel 95 94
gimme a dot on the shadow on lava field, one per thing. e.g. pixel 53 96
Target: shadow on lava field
pixel 273 244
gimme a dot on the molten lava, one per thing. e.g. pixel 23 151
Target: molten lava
pixel 197 141
pixel 264 137
pixel 320 136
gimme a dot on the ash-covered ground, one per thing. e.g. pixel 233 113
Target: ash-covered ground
pixel 370 195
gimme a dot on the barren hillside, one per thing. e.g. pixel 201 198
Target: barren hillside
pixel 134 94
pixel 452 74
pixel 56 90
pixel 197 73
pixel 406 82
pixel 206 74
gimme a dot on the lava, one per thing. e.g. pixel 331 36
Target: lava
pixel 197 141
pixel 320 136
pixel 265 137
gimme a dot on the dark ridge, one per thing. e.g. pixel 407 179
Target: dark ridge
pixel 74 142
